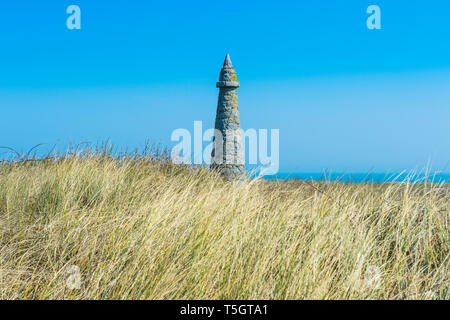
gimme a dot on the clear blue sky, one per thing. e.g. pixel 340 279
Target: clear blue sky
pixel 344 97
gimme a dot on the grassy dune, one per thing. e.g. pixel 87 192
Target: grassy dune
pixel 141 228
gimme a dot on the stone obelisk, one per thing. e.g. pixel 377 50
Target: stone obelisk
pixel 227 154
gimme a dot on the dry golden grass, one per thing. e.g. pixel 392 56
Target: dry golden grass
pixel 142 228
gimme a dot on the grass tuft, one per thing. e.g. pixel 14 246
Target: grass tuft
pixel 138 227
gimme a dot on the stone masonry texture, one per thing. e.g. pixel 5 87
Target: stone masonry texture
pixel 228 154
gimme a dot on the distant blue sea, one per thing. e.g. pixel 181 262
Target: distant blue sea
pixel 363 177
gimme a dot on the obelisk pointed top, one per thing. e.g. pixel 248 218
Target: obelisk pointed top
pixel 227 78
pixel 227 62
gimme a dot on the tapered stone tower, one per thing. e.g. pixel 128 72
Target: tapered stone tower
pixel 228 155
